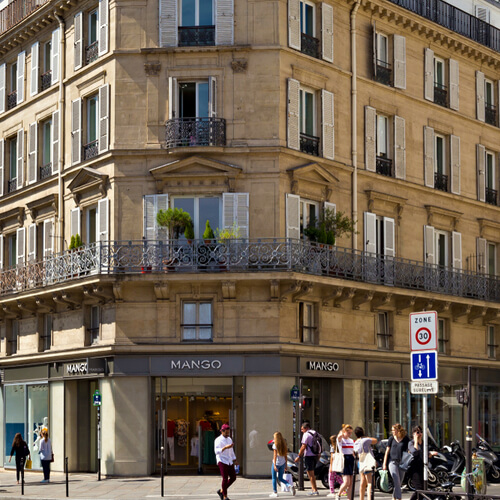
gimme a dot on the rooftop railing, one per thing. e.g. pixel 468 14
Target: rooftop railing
pixel 16 11
pixel 241 255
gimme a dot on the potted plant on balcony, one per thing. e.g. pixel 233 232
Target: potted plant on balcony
pixel 208 234
pixel 224 237
pixel 74 244
pixel 189 233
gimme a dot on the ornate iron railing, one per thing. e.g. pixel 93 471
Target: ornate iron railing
pixel 383 72
pixel 440 94
pixel 309 144
pixel 490 114
pixel 45 171
pixel 384 166
pixel 440 181
pixel 309 45
pixel 91 52
pixel 16 11
pixel 491 196
pixel 196 36
pixel 241 255
pixel 12 100
pixel 195 132
pixel 90 150
pixel 11 185
pixel 46 80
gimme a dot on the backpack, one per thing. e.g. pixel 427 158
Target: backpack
pixel 316 445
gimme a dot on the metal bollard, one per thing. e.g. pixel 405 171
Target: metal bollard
pixel 372 493
pixel 353 483
pixel 161 470
pixel 22 475
pixel 67 475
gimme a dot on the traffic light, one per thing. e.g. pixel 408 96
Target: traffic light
pixel 306 402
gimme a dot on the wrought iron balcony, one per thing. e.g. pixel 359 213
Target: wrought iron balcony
pixel 241 255
pixel 16 11
pixel 182 132
pixel 91 52
pixel 196 36
pixel 46 80
pixel 490 114
pixel 491 196
pixel 90 150
pixel 440 181
pixel 309 144
pixel 309 45
pixel 12 100
pixel 384 166
pixel 11 185
pixel 383 72
pixel 45 171
pixel 440 94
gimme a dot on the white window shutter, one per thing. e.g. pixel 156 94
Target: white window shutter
pixel 294 35
pixel 21 246
pixel 2 158
pixel 224 23
pixel 482 246
pixel 3 73
pixel 480 96
pixel 35 51
pixel 20 158
pixel 454 74
pixel 75 222
pixel 32 153
pixel 455 163
pixel 481 175
pixel 152 204
pixel 429 156
pixel 78 42
pixel 389 237
pixel 293 124
pixel 173 97
pixel 330 206
pixel 212 97
pixel 429 75
pixel 399 148
pixel 399 61
pixel 429 245
pixel 48 237
pixel 370 139
pixel 76 131
pixel 168 23
pixel 374 50
pixel 103 218
pixel 235 210
pixel 103 35
pixel 293 216
pixel 56 143
pixel 55 49
pixel 21 60
pixel 370 232
pixel 32 243
pixel 1 251
pixel 456 250
pixel 328 119
pixel 483 13
pixel 327 32
pixel 103 118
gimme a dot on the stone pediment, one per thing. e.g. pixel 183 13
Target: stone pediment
pixel 307 179
pixel 42 207
pixel 88 179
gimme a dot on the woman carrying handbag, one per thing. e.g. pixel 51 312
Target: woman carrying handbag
pixel 363 447
pixel 336 466
pixel 397 444
pixel 278 467
pixel 346 445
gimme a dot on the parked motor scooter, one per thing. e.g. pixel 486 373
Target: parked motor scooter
pixel 484 450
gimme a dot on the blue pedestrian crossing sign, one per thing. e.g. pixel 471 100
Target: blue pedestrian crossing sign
pixel 424 365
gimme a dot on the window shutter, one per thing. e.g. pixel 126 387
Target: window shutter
pixel 48 237
pixel 327 32
pixel 293 216
pixel 454 79
pixel 103 27
pixel 480 96
pixel 78 43
pixel 374 50
pixel 75 222
pixel 32 243
pixel 294 24
pixel 498 102
pixel 56 132
pixel 173 97
pixel 429 244
pixel 152 204
pixel 168 23
pixel 370 138
pixel 21 60
pixel 389 238
pixel 455 163
pixel 483 13
pixel 103 218
pixel 55 48
pixel 76 131
pixel 224 25
pixel 456 250
pixel 32 153
pixel 235 208
pixel 21 246
pixel 399 61
pixel 3 72
pixel 20 158
pixel 328 117
pixel 370 232
pixel 1 251
pixel 212 97
pixel 429 75
pixel 103 118
pixel 482 246
pixel 330 206
pixel 399 148
pixel 293 114
pixel 35 51
pixel 429 156
pixel 2 158
pixel 481 177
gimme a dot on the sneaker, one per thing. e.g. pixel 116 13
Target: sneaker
pixel 219 492
pixel 44 481
pixel 313 493
pixel 293 490
pixel 273 495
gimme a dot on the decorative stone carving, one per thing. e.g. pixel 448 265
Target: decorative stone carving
pixel 152 68
pixel 239 65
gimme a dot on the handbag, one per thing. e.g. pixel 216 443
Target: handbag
pixel 406 461
pixel 338 460
pixel 289 479
pixel 366 462
pixel 52 459
pixel 29 464
pixel 384 480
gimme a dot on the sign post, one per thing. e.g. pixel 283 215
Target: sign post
pixel 97 401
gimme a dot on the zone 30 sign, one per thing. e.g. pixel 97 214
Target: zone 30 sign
pixel 423 336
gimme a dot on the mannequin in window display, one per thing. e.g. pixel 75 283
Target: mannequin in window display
pixel 171 430
pixel 37 433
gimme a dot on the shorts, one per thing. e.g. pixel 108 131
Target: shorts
pixel 348 465
pixel 310 463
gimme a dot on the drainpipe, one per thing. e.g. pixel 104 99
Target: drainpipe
pixel 60 201
pixel 354 124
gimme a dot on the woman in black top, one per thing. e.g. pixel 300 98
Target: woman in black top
pixel 416 448
pixel 20 448
pixel 397 444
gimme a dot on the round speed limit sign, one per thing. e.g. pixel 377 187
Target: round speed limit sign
pixel 423 331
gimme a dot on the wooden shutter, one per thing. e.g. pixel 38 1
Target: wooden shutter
pixel 3 73
pixel 429 244
pixel 235 210
pixel 480 96
pixel 32 153
pixel 168 23
pixel 2 159
pixel 456 250
pixel 173 97
pixel 103 219
pixel 34 77
pixel 56 132
pixel 103 118
pixel 48 237
pixel 429 75
pixel 1 251
pixel 327 32
pixel 55 48
pixel 399 43
pixel 21 246
pixel 76 131
pixel 399 148
pixel 152 204
pixel 454 80
pixel 224 23
pixel 328 121
pixel 389 237
pixel 21 60
pixel 429 156
pixel 370 139
pixel 75 222
pixel 32 243
pixel 292 216
pixel 212 97
pixel 294 35
pixel 78 43
pixel 482 248
pixel 370 232
pixel 20 158
pixel 455 163
pixel 374 50
pixel 293 119
pixel 481 175
pixel 103 27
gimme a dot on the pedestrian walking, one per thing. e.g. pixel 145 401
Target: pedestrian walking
pixel 310 457
pixel 346 444
pixel 333 477
pixel 21 450
pixel 278 467
pixel 46 455
pixel 363 447
pixel 416 471
pixel 226 460
pixel 397 444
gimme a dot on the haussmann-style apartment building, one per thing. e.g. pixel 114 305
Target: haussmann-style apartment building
pixel 258 116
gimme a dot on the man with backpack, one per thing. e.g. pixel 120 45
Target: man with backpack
pixel 311 450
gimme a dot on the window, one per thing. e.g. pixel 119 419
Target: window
pixel 491 345
pixel 383 70
pixel 440 171
pixel 92 48
pixel 13 339
pixel 442 248
pixel 491 262
pixel 442 336
pixel 197 322
pixel 389 59
pixel 47 332
pixel 309 214
pixel 11 257
pixel 46 66
pixel 94 321
pixel 12 155
pixel 46 150
pixel 91 233
pixel 12 86
pixel 91 145
pixel 441 80
pixel 383 330
pixel 384 162
pixel 490 178
pixel 201 209
pixel 440 89
pixel 490 111
pixel 196 23
pixel 309 44
pixel 379 235
pixel 307 323
pixel 309 143
pixel 193 100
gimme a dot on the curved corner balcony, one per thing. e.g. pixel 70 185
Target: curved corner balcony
pixel 185 132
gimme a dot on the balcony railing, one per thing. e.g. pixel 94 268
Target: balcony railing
pixel 45 171
pixel 16 11
pixel 384 72
pixel 440 94
pixel 195 132
pixel 11 185
pixel 490 114
pixel 384 166
pixel 12 100
pixel 91 52
pixel 90 150
pixel 241 255
pixel 440 181
pixel 309 144
pixel 196 36
pixel 491 196
pixel 309 45
pixel 46 80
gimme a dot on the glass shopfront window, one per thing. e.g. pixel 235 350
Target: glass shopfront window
pixel 488 412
